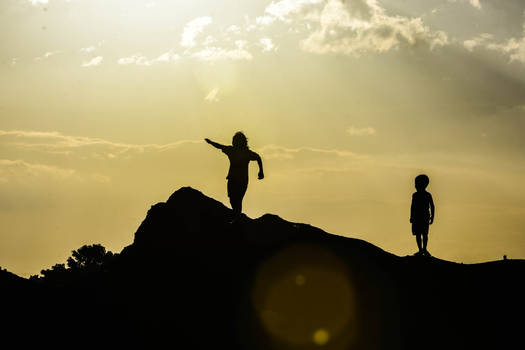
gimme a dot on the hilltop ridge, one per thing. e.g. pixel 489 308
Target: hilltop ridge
pixel 191 279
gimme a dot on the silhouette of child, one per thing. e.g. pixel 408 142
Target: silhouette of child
pixel 240 156
pixel 421 213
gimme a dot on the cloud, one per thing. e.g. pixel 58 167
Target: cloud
pixel 166 57
pixel 480 40
pixel 267 44
pixel 22 172
pixel 140 60
pixel 37 2
pixel 192 29
pixel 88 49
pixel 95 61
pixel 137 59
pixel 212 96
pixel 42 134
pixel 284 9
pixel 46 55
pixel 55 142
pixel 281 152
pixel 15 170
pixel 475 3
pixel 209 40
pixel 150 4
pixel 368 131
pixel 265 20
pixel 91 49
pixel 513 48
pixel 213 48
pixel 233 29
pixel 214 53
pixel 358 26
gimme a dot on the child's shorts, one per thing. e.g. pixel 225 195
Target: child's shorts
pixel 420 228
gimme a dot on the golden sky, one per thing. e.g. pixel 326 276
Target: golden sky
pixel 104 105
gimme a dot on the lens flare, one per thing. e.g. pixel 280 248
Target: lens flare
pixel 304 296
pixel 299 280
pixel 321 336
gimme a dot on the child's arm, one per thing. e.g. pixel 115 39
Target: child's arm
pixel 412 209
pixel 259 162
pixel 432 209
pixel 215 144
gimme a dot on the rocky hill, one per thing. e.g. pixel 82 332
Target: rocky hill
pixel 193 280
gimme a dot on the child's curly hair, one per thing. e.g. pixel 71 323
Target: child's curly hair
pixel 240 140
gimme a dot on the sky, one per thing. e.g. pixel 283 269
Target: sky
pixel 104 105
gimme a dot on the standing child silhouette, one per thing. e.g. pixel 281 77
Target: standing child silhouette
pixel 421 213
pixel 240 156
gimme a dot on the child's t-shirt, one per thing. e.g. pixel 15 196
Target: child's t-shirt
pixel 239 160
pixel 420 208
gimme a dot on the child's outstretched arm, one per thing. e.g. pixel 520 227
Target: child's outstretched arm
pixel 215 144
pixel 432 210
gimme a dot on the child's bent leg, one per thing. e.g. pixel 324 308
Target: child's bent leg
pixel 236 191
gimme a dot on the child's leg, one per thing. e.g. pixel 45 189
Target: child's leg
pixel 425 241
pixel 236 204
pixel 236 190
pixel 418 240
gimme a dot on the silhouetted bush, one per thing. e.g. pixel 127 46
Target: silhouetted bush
pixel 56 272
pixel 88 258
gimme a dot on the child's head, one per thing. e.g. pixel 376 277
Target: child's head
pixel 421 182
pixel 239 140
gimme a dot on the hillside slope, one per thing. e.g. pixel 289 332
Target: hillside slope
pixel 192 280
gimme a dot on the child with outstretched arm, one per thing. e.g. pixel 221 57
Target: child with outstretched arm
pixel 240 156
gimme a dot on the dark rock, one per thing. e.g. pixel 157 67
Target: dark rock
pixel 192 280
